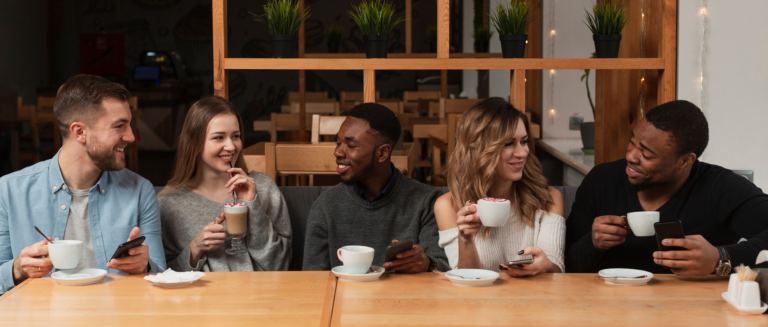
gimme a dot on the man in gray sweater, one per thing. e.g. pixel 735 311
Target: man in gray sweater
pixel 375 205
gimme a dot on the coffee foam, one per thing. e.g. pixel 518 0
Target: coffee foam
pixel 235 208
pixel 494 200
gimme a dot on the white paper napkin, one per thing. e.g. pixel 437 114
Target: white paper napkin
pixel 170 276
pixel 762 257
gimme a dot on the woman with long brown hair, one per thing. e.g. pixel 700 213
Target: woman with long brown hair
pixel 491 160
pixel 203 181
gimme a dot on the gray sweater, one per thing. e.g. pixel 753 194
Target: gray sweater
pixel 340 217
pixel 184 214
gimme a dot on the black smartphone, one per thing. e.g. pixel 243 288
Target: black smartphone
pixel 122 250
pixel 394 249
pixel 519 263
pixel 668 230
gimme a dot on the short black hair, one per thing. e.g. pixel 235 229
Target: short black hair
pixel 686 123
pixel 380 118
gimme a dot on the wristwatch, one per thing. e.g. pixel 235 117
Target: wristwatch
pixel 723 267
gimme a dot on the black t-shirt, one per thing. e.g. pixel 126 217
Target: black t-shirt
pixel 715 203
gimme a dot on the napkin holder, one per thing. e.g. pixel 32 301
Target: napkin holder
pixel 762 280
pixel 748 297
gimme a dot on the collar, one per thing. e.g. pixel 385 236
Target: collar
pixel 391 184
pixel 57 180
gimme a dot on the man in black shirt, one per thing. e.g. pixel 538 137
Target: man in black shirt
pixel 662 173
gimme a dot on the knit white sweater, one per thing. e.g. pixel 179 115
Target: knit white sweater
pixel 503 244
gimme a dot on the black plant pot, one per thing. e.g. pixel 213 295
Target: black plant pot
pixel 283 45
pixel 607 46
pixel 333 47
pixel 481 46
pixel 376 46
pixel 513 45
pixel 588 135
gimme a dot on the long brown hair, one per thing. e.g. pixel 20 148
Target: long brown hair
pixel 481 133
pixel 192 139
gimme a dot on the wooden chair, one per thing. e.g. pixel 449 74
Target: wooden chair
pixel 350 99
pixel 286 122
pixel 411 99
pixel 308 96
pixel 325 125
pixel 455 106
pixel 317 108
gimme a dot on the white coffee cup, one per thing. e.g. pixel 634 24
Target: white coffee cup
pixel 493 213
pixel 356 258
pixel 65 254
pixel 641 222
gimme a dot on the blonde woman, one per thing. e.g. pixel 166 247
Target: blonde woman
pixel 493 158
pixel 191 205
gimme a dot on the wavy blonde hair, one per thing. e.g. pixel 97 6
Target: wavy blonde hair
pixel 192 139
pixel 481 133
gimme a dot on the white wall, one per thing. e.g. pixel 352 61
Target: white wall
pixel 572 40
pixel 735 93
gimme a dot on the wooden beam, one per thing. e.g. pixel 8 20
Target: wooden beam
pixel 443 83
pixel 220 48
pixel 408 26
pixel 401 55
pixel 302 105
pixel 517 89
pixel 667 89
pixel 442 63
pixel 533 77
pixel 443 29
pixel 369 85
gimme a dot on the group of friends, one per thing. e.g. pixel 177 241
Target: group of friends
pixel 84 193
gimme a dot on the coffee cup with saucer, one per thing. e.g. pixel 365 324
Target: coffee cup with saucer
pixel 374 272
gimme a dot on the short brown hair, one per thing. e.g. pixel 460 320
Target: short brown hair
pixel 80 97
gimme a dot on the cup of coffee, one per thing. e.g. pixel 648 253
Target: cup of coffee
pixel 236 214
pixel 65 254
pixel 493 212
pixel 356 258
pixel 641 222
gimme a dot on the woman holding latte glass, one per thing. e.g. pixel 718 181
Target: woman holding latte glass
pixel 491 165
pixel 198 200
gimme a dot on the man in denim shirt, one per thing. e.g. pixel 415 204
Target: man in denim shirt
pixel 83 193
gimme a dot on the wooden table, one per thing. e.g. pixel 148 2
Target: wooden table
pixel 219 299
pixel 546 300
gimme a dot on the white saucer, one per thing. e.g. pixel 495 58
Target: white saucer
pixel 745 310
pixel 172 285
pixel 78 277
pixel 626 273
pixel 342 274
pixel 472 277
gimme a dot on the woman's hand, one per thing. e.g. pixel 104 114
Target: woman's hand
pixel 468 221
pixel 244 185
pixel 541 264
pixel 210 238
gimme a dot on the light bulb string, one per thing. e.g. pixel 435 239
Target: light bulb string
pixel 552 55
pixel 703 51
pixel 642 55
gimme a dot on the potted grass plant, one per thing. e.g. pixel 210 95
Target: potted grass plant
pixel 283 19
pixel 374 17
pixel 511 20
pixel 588 129
pixel 482 37
pixel 606 22
pixel 335 33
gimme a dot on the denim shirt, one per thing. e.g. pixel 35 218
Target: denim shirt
pixel 38 196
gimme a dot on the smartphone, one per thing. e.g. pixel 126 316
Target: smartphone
pixel 394 249
pixel 122 250
pixel 669 230
pixel 519 263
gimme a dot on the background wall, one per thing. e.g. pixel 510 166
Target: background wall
pixel 22 47
pixel 735 66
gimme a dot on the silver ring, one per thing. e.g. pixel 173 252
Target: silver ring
pixel 38 269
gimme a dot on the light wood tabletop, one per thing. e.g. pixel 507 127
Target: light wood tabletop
pixel 219 299
pixel 546 300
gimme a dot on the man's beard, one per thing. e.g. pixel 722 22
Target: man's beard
pixel 103 158
pixel 356 177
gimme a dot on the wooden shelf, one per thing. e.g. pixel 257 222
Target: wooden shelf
pixel 400 55
pixel 442 64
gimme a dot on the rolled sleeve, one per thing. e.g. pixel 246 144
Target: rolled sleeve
pixel 149 223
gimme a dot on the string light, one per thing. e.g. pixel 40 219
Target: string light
pixel 552 55
pixel 642 55
pixel 703 51
pixel 552 115
pixel 551 71
pixel 552 33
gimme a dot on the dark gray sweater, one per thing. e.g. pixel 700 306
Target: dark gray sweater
pixel 340 217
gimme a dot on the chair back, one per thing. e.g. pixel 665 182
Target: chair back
pixel 412 96
pixel 325 125
pixel 308 96
pixel 392 104
pixel 331 108
pixel 455 106
pixel 286 122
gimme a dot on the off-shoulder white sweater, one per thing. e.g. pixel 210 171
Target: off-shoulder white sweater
pixel 503 244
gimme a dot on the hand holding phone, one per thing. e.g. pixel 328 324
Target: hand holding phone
pixel 122 250
pixel 519 263
pixel 394 249
pixel 669 230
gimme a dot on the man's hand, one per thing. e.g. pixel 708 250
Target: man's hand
pixel 31 264
pixel 700 258
pixel 137 259
pixel 609 231
pixel 411 262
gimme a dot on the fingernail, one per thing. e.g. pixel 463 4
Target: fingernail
pixel 521 252
pixel 665 242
